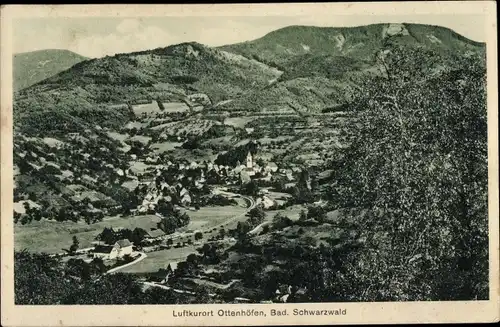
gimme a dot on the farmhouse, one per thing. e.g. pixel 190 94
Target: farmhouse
pixel 271 167
pixel 155 233
pixel 120 249
pixel 267 202
pixel 183 192
pixel 163 274
pixel 186 200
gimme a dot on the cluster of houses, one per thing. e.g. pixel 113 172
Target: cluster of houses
pixel 152 167
pixel 192 178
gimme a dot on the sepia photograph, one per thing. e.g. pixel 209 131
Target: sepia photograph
pixel 249 166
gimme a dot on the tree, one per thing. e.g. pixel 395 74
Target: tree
pixel 203 297
pixel 257 216
pixel 192 259
pixel 281 221
pixel 17 216
pixel 211 253
pixel 316 212
pixel 172 218
pixel 242 228
pixel 415 178
pixel 303 215
pixel 198 236
pixel 36 214
pixel 127 290
pixel 160 104
pixel 37 279
pixel 302 193
pixel 108 236
pixel 137 235
pixel 62 214
pixel 222 233
pixel 74 246
pixel 78 268
pixel 251 188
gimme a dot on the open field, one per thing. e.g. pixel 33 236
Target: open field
pixel 165 146
pixel 208 217
pixel 146 108
pixel 238 122
pixel 141 138
pixel 160 259
pixel 118 136
pixel 51 236
pixel 175 107
pixel 292 212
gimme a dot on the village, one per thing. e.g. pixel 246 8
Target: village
pixel 163 188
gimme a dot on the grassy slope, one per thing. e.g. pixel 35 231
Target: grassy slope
pixel 51 236
pixel 167 73
pixel 33 67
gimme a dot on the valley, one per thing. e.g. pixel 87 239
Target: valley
pixel 280 169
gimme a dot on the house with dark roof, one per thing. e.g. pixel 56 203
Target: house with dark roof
pixel 109 252
pixel 162 275
pixel 155 233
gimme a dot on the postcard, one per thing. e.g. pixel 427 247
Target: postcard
pixel 249 164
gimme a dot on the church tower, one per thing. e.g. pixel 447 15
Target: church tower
pixel 249 160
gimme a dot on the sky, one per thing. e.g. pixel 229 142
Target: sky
pixel 97 37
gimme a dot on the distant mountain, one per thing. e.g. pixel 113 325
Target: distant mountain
pixel 324 65
pixel 33 67
pixel 298 68
pixel 291 44
pixel 169 74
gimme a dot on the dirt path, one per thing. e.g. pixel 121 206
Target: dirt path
pixel 142 256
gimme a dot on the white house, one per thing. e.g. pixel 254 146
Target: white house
pixel 183 192
pixel 271 167
pixel 119 250
pixel 267 202
pixel 186 200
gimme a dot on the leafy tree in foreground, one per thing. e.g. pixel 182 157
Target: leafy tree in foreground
pixel 42 280
pixel 37 279
pixel 415 179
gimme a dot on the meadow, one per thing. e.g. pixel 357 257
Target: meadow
pixel 209 217
pixel 160 259
pixel 52 237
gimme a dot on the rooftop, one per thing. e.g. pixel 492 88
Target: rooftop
pixel 103 249
pixel 123 243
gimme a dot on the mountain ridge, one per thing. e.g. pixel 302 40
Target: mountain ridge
pixel 279 47
pixel 313 67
